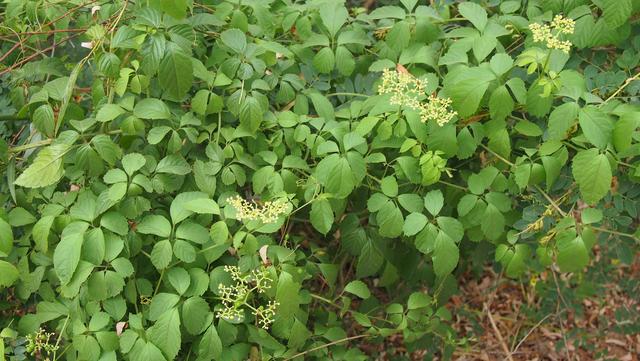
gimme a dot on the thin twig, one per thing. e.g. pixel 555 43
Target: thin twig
pixel 498 334
pixel 624 85
pixel 530 332
pixel 38 53
pixel 326 345
pixel 14 47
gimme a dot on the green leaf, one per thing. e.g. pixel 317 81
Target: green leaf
pixel 8 274
pixel 493 229
pixel 44 119
pixel 390 222
pixel 500 103
pixel 251 114
pixel 624 129
pixel 573 254
pixel 433 201
pixel 179 206
pixel 321 215
pixel 616 12
pixel 369 261
pixel 336 175
pixel 155 224
pixel 161 254
pixel 146 351
pixel 6 238
pixel 358 288
pixel 522 174
pixel 40 233
pixel 67 253
pixel 483 46
pixel 561 120
pixel 389 186
pixel 193 232
pixel 151 108
pixel 161 303
pixel 467 89
pixel 418 300
pixel 475 13
pixel 333 16
pixel 322 105
pixel 235 39
pixel 591 215
pixel 175 73
pixel 345 63
pixel 165 333
pixel 288 297
pixel 219 232
pixel 445 255
pixel 596 125
pixel 592 172
pixel 202 206
pixel 132 162
pixel 179 279
pixel 175 8
pixel 46 169
pixel 414 223
pixel 452 227
pixel 324 60
pixel 210 346
pixel 109 112
pixel 193 311
pixel 173 164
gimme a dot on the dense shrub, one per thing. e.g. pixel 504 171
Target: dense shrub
pixel 276 180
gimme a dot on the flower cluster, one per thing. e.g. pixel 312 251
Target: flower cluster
pixel 550 34
pixel 406 90
pixel 39 343
pixel 268 212
pixel 236 297
pixel 437 109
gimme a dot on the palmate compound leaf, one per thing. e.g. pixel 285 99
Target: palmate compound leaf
pixel 46 169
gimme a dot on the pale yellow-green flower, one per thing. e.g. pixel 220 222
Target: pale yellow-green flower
pixel 550 34
pixel 235 298
pixel 437 109
pixel 406 90
pixel 268 212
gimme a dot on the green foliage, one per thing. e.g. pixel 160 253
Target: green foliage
pixel 223 181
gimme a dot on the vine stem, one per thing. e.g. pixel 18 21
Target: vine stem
pixel 505 160
pixel 537 187
pixel 64 327
pixel 622 234
pixel 325 300
pixel 348 94
pixel 326 345
pixel 24 147
pixel 624 85
pixel 498 334
pixel 44 142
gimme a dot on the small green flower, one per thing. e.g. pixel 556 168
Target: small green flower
pixel 40 343
pixel 236 298
pixel 406 90
pixel 550 34
pixel 250 211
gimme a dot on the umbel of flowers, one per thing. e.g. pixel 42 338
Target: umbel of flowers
pixel 235 298
pixel 406 90
pixel 550 34
pixel 268 212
